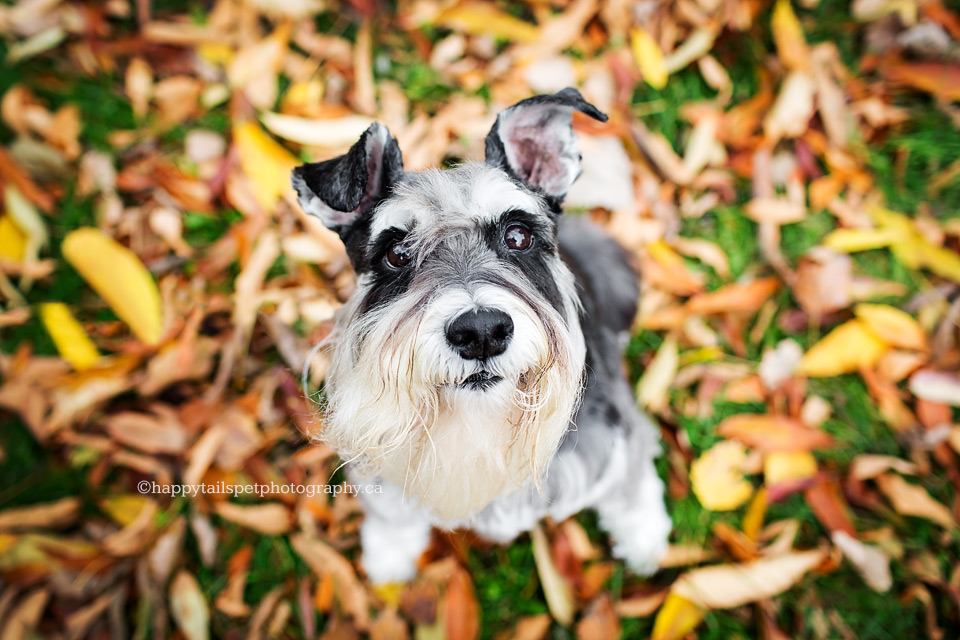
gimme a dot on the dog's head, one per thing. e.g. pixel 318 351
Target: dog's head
pixel 457 363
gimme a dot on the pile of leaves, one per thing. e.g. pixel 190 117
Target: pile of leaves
pixel 785 174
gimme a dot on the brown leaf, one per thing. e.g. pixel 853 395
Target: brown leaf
pixel 773 433
pixel 738 297
pixel 831 508
pixel 462 610
pixel 558 591
pixel 270 519
pixel 162 434
pixel 912 500
pixel 600 621
pixel 322 558
pixel 50 515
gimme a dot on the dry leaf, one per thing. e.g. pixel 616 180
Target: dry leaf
pixel 733 585
pixel 265 163
pixel 717 477
pixel 936 386
pixel 893 326
pixel 117 274
pixel 270 519
pixel 50 515
pixel 869 561
pixel 556 588
pixel 788 467
pixel 655 382
pixel 912 500
pixel 676 619
pixel 867 466
pixel 68 335
pixel 649 58
pixel 849 347
pixel 480 18
pixel 771 433
pixel 188 607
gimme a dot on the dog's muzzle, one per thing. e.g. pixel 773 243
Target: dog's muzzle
pixel 481 334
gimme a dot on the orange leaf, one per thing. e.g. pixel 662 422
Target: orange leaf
pixel 773 433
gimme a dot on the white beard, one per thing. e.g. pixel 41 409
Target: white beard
pixel 395 413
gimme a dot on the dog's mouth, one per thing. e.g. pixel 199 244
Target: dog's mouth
pixel 480 381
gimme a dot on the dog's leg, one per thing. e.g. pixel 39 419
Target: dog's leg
pixel 633 513
pixel 392 536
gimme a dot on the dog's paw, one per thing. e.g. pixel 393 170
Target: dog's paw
pixel 643 551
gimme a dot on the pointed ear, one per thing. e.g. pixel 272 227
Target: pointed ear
pixel 534 141
pixel 342 190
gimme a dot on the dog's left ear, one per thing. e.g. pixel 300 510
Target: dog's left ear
pixel 342 190
pixel 534 141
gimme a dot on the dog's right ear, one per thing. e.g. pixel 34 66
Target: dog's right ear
pixel 342 190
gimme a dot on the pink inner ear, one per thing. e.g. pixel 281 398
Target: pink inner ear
pixel 541 147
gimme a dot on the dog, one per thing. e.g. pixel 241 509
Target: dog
pixel 475 373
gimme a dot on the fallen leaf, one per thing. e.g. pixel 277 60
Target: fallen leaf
pixel 869 561
pixel 322 558
pixel 792 110
pixel 788 467
pixel 335 132
pixel 68 335
pixel 737 297
pixel 270 519
pixel 936 386
pixel 188 607
pixel 649 58
pixel 655 382
pixel 117 274
pixel 770 433
pixel 849 347
pixel 734 585
pixel 600 621
pixel 479 18
pixel 912 500
pixel 460 605
pixel 49 515
pixel 556 588
pixel 788 36
pixel 676 619
pixel 264 162
pixel 893 326
pixel 717 477
pixel 867 466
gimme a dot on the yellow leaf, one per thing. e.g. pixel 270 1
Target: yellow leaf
pixel 117 274
pixel 649 58
pixel 265 162
pixel 717 478
pixel 188 607
pixel 25 216
pixel 124 508
pixel 942 262
pixel 853 240
pixel 655 382
pixel 217 54
pixel 13 242
pixel 756 512
pixel 845 349
pixel 892 325
pixel 676 618
pixel 68 335
pixel 481 18
pixel 788 35
pixel 788 466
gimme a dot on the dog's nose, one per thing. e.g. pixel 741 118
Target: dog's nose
pixel 480 334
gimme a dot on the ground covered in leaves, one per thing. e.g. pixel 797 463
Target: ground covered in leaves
pixel 786 175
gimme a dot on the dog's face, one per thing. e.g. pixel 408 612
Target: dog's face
pixel 457 363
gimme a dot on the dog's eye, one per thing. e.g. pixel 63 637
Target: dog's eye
pixel 398 255
pixel 517 237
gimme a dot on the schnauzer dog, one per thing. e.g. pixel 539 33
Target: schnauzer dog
pixel 476 371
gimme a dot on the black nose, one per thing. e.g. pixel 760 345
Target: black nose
pixel 480 334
